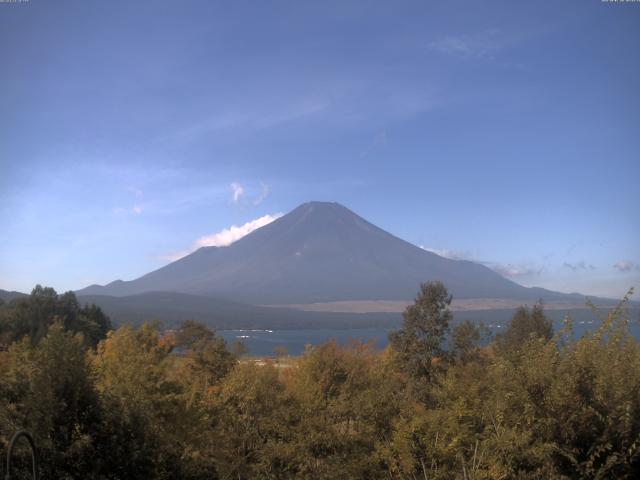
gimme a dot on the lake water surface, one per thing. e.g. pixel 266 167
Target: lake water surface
pixel 263 342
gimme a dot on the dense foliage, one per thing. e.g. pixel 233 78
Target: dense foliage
pixel 142 403
pixel 32 317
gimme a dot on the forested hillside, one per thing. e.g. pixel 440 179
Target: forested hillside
pixel 142 403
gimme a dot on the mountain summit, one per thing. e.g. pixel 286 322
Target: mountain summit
pixel 319 252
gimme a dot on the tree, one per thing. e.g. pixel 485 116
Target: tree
pixel 50 391
pixel 464 341
pixel 93 323
pixel 206 358
pixel 418 344
pixel 33 316
pixel 251 423
pixel 144 403
pixel 525 325
pixel 345 402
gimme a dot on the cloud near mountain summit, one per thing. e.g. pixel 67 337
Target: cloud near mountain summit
pixel 226 236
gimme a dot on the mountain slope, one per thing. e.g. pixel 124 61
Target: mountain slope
pixel 320 252
pixel 7 296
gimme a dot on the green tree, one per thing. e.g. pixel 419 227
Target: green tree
pixel 525 325
pixel 345 405
pixel 49 390
pixel 465 340
pixel 418 344
pixel 34 315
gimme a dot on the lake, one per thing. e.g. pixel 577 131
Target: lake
pixel 263 342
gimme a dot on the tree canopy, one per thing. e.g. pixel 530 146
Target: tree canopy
pixel 148 403
pixel 425 327
pixel 32 317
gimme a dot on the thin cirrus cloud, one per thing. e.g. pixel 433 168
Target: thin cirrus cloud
pixel 450 254
pixel 506 270
pixel 343 101
pixel 626 266
pixel 515 271
pixel 264 193
pixel 250 119
pixel 237 191
pixel 483 45
pixel 135 210
pixel 380 140
pixel 239 194
pixel 578 266
pixel 226 236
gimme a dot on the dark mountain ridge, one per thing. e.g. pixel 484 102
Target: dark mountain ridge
pixel 7 296
pixel 321 252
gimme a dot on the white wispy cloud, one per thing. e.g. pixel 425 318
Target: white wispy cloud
pixel 515 271
pixel 226 236
pixel 251 118
pixel 333 102
pixel 483 45
pixel 237 192
pixel 299 110
pixel 626 266
pixel 229 235
pixel 262 195
pixel 251 194
pixel 451 254
pixel 511 270
pixel 134 210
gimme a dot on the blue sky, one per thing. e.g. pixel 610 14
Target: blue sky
pixel 503 133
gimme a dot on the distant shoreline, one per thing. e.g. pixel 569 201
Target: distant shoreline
pixel 398 306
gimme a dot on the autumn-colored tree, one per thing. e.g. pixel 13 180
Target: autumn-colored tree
pixel 134 375
pixel 160 405
pixel 252 424
pixel 345 405
pixel 205 358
